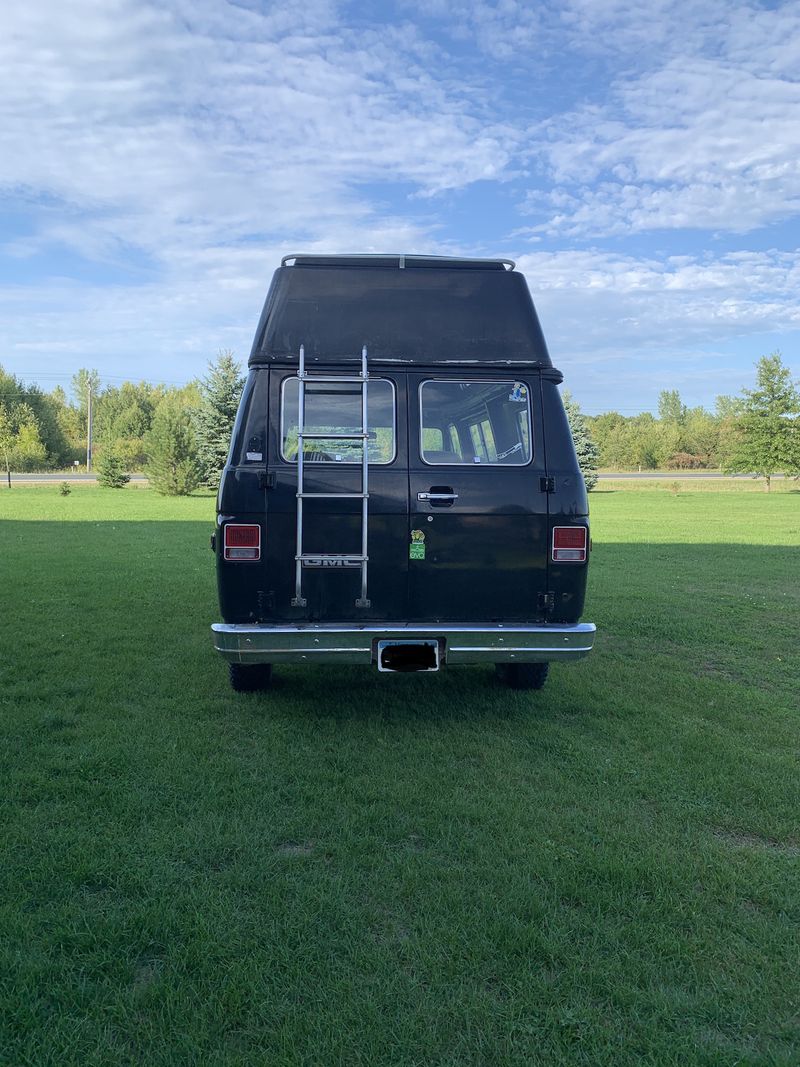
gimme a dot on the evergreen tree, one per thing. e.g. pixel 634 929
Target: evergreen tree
pixel 110 468
pixel 766 437
pixel 585 448
pixel 172 466
pixel 213 419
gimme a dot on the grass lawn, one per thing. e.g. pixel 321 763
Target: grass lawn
pixel 356 869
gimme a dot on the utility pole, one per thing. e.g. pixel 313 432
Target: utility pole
pixel 89 429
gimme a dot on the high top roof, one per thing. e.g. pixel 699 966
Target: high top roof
pixel 405 309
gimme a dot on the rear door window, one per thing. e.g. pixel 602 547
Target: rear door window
pixel 335 408
pixel 475 422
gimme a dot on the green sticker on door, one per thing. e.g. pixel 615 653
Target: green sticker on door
pixel 416 550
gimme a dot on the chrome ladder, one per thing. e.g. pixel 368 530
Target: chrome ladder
pixel 301 557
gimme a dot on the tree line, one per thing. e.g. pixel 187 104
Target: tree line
pixel 179 437
pixel 756 432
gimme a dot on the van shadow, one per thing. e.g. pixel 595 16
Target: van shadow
pixel 345 693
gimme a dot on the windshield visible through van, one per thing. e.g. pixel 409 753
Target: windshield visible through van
pixel 475 422
pixel 335 408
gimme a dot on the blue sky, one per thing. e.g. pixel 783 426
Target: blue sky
pixel 641 162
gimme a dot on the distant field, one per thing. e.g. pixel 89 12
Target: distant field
pixel 697 483
pixel 356 869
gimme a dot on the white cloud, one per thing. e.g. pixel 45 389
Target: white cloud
pixel 708 139
pixel 623 302
pixel 181 124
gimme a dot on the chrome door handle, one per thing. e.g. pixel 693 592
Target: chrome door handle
pixel 437 496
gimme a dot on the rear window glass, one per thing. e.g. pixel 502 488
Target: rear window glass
pixel 335 408
pixel 475 422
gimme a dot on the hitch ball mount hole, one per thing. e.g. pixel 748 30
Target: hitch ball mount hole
pixel 408 656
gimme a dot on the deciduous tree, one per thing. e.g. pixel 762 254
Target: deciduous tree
pixel 20 443
pixel 766 438
pixel 670 407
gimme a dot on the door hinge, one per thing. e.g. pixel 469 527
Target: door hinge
pixel 547 602
pixel 266 480
pixel 547 485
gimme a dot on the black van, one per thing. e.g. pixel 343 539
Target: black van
pixel 402 488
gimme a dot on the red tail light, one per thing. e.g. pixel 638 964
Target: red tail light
pixel 242 542
pixel 569 544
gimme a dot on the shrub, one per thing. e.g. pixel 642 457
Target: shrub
pixel 111 469
pixel 684 461
pixel 65 488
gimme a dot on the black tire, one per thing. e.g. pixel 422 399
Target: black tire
pixel 523 675
pixel 251 677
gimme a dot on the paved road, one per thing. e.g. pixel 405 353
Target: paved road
pixel 61 478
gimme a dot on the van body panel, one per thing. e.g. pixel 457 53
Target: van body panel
pixel 241 499
pixel 568 504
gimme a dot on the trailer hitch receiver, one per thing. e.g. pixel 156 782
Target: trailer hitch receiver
pixel 408 656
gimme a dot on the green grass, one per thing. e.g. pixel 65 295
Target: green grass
pixel 355 869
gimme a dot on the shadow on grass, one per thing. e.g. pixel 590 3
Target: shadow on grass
pixel 343 693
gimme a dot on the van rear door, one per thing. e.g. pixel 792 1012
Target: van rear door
pixel 478 533
pixel 332 525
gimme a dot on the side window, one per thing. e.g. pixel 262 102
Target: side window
pixel 487 422
pixel 478 444
pixel 487 435
pixel 335 408
pixel 524 429
pixel 433 439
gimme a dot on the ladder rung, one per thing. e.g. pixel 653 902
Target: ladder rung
pixel 333 496
pixel 354 556
pixel 333 436
pixel 346 378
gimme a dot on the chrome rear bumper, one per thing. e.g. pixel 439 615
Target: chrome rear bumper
pixel 327 643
